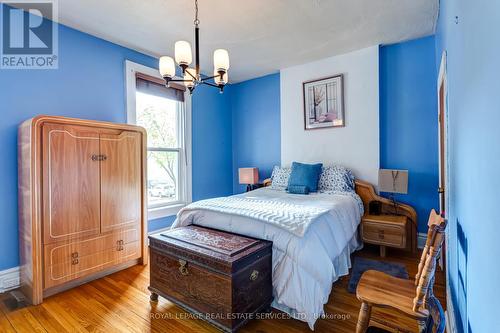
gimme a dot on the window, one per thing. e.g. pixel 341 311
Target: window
pixel 164 113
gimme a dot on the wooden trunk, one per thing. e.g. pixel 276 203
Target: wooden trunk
pixel 223 278
pixel 82 201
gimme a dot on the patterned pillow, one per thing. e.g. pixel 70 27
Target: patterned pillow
pixel 280 177
pixel 336 178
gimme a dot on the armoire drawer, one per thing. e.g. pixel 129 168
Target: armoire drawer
pixel 63 252
pixel 67 269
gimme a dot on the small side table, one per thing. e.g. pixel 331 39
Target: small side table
pixel 385 230
pixel 251 187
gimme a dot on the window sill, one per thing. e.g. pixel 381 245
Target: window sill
pixel 159 212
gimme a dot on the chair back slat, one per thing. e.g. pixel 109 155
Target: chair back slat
pixel 434 220
pixel 429 262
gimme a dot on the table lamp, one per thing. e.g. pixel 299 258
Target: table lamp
pixel 393 181
pixel 249 177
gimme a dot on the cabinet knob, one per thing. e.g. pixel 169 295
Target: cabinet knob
pixel 182 268
pixel 74 258
pixel 96 157
pixel 254 275
pixel 381 234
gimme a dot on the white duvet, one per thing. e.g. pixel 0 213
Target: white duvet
pixel 304 267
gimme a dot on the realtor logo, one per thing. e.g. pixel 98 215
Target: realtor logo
pixel 29 35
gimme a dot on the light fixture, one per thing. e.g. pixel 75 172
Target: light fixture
pixel 191 77
pixel 249 177
pixel 393 181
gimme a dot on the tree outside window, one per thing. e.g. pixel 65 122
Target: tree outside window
pixel 160 117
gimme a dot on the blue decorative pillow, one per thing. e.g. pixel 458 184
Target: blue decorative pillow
pixel 305 175
pixel 298 189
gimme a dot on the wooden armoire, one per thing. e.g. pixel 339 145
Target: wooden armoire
pixel 82 202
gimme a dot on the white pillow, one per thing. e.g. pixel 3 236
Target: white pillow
pixel 336 178
pixel 279 178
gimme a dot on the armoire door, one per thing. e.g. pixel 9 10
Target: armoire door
pixel 71 191
pixel 121 180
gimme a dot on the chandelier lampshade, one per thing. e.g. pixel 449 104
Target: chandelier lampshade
pixel 167 67
pixel 183 55
pixel 221 60
pixel 191 77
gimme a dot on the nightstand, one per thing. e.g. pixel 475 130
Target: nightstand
pixel 252 187
pixel 385 230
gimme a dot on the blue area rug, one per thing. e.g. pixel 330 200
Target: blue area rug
pixel 362 265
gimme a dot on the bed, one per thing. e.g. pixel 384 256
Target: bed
pixel 307 257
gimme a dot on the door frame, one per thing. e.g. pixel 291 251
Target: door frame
pixel 442 83
pixel 442 108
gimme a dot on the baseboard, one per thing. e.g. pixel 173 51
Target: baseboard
pixel 9 279
pixel 421 239
pixel 451 324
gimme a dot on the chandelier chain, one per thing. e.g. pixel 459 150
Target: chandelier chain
pixel 196 20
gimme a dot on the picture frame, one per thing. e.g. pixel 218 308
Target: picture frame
pixel 324 102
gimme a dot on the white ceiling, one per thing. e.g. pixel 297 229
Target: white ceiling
pixel 262 36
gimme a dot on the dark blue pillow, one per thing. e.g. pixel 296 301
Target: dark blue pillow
pixel 298 189
pixel 305 175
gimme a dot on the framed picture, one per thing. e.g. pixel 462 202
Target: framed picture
pixel 324 102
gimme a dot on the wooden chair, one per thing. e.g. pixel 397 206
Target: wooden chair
pixel 435 322
pixel 377 289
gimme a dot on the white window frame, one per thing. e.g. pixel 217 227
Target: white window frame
pixel 185 153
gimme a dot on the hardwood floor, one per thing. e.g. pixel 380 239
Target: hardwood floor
pixel 120 303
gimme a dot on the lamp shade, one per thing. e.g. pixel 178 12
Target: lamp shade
pixel 183 54
pixel 167 67
pixel 248 176
pixel 221 60
pixel 393 181
pixel 218 79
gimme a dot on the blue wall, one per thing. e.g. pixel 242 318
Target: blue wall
pixel 408 120
pixel 90 84
pixel 472 43
pixel 212 146
pixel 255 106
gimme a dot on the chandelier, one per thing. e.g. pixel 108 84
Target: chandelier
pixel 191 76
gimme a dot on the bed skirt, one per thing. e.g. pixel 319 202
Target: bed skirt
pixel 341 266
